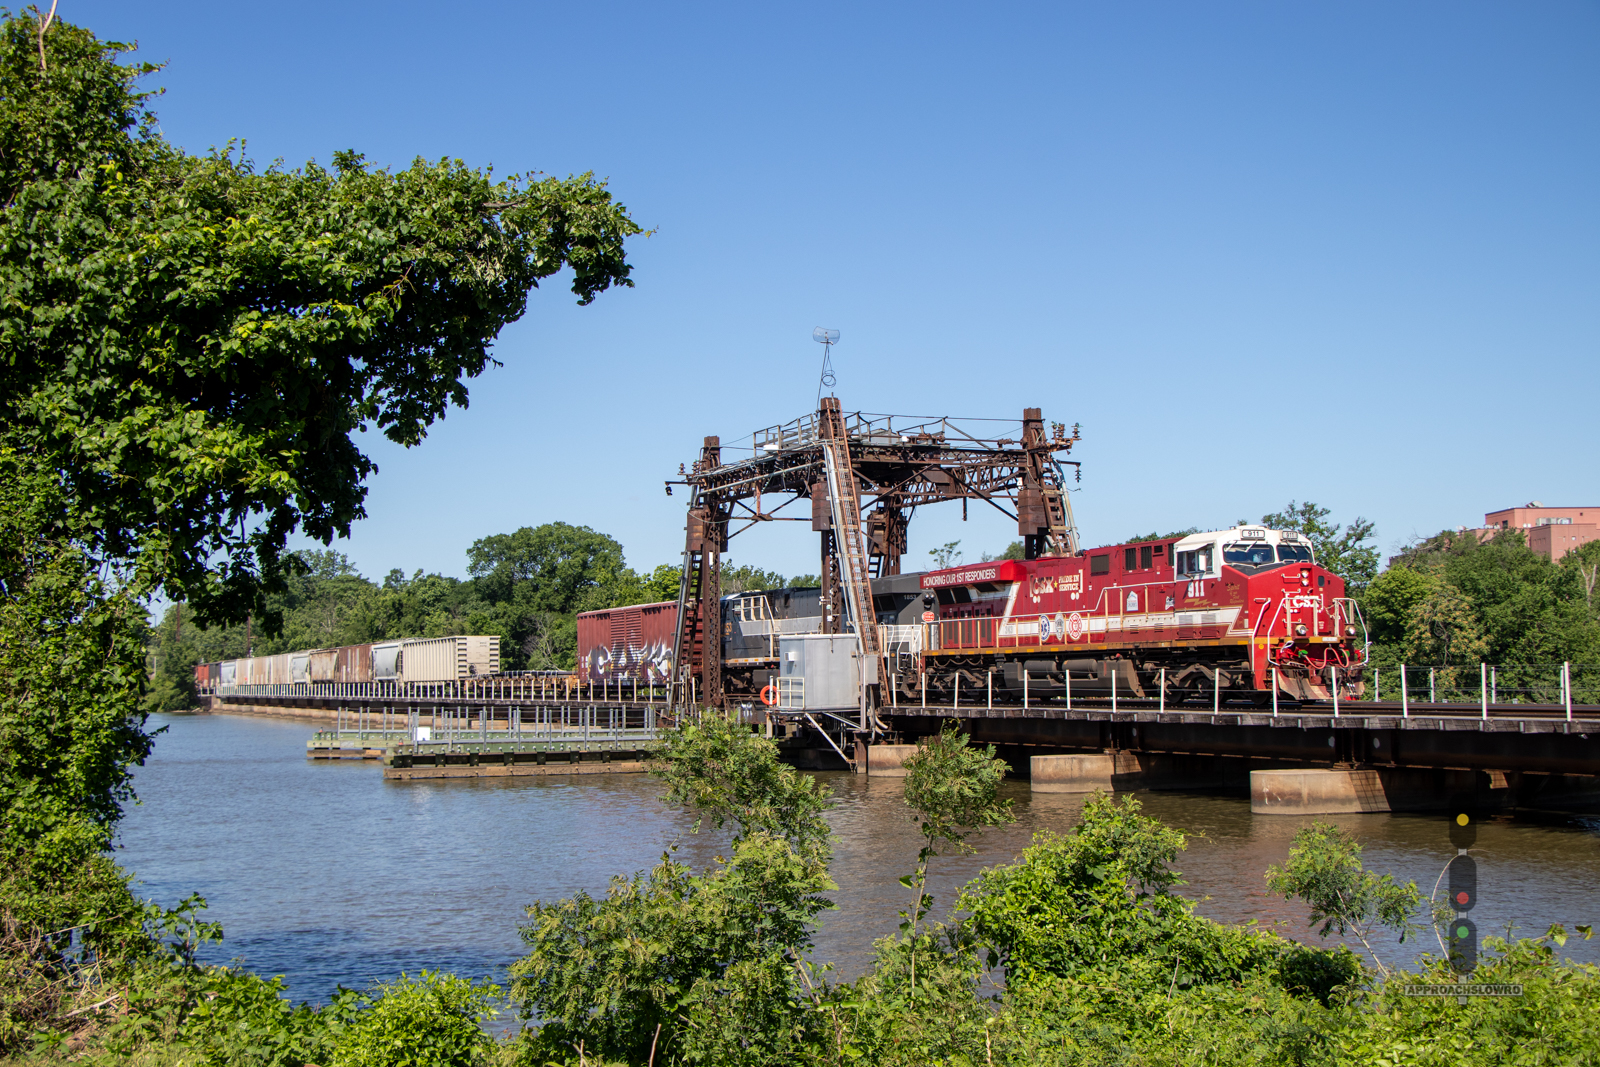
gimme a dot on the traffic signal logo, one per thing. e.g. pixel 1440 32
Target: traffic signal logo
pixel 1463 891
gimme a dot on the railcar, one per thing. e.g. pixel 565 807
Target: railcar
pixel 754 621
pixel 1227 614
pixel 632 643
pixel 434 659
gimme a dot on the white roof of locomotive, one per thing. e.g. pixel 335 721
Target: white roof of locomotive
pixel 1247 532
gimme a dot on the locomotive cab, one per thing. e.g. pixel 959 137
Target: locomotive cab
pixel 1305 636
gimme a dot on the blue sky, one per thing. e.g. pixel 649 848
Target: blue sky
pixel 1346 252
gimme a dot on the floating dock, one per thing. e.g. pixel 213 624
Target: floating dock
pixel 488 742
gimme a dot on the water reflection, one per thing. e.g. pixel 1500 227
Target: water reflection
pixel 327 874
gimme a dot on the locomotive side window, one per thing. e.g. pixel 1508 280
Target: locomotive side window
pixel 1099 564
pixel 1197 561
pixel 1294 554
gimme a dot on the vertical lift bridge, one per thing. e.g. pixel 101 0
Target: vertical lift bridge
pixel 845 464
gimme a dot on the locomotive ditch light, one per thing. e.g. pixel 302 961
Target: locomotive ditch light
pixel 1349 631
pixel 1300 629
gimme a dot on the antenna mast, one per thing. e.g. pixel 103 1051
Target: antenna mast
pixel 827 339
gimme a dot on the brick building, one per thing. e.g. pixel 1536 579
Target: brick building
pixel 1552 532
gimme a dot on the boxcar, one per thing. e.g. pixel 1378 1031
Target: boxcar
pixel 633 643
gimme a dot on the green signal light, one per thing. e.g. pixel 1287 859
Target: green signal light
pixel 1462 931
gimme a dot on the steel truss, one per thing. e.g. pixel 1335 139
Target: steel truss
pixel 884 468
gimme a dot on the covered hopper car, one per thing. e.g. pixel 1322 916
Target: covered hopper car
pixel 427 659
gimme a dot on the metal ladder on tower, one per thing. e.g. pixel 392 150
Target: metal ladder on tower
pixel 1058 512
pixel 851 542
pixel 689 644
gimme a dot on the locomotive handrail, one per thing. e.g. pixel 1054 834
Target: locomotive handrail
pixel 1345 603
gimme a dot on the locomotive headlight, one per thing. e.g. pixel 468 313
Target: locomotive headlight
pixel 1349 631
pixel 1300 629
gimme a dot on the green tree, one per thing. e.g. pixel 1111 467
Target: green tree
pixel 1530 612
pixel 246 323
pixel 188 348
pixel 662 584
pixel 172 655
pixel 1443 629
pixel 1389 602
pixel 1343 550
pixel 953 790
pixel 748 578
pixel 677 967
pixel 71 732
pixel 430 1020
pixel 946 555
pixel 1324 869
pixel 1012 551
pixel 1585 560
pixel 553 567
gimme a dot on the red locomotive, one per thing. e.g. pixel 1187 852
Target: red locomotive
pixel 1223 615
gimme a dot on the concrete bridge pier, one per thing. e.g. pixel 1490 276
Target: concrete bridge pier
pixel 1119 769
pixel 1350 790
pixel 1086 772
pixel 883 761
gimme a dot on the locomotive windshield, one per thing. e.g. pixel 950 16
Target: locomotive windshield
pixel 1247 554
pixel 1294 553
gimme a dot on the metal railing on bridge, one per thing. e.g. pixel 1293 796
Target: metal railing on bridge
pixel 500 690
pixel 1490 687
pixel 448 726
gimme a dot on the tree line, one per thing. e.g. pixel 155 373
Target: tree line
pixel 527 587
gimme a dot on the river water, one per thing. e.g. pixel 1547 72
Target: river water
pixel 327 874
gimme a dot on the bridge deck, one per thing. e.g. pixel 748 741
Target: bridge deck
pixel 1361 715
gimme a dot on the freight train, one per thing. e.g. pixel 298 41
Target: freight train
pixel 425 659
pixel 1230 614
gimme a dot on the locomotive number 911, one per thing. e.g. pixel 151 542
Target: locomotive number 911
pixel 1227 614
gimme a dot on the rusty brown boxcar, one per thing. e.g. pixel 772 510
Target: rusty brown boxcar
pixel 633 643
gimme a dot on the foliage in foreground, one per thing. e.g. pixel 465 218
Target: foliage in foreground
pixel 188 348
pixel 675 966
pixel 1080 952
